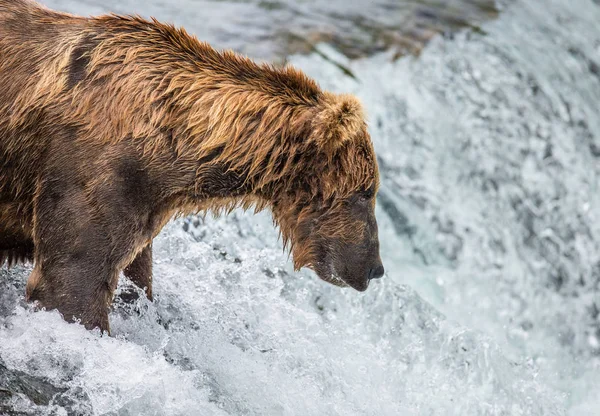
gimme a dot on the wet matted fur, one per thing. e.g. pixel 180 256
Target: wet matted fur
pixel 110 126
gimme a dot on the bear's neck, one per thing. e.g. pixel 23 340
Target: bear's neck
pixel 214 182
pixel 243 140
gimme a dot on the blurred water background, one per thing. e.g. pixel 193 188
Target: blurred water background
pixel 484 117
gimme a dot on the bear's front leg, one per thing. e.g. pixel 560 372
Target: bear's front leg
pixel 140 270
pixel 60 284
pixel 75 269
pixel 83 237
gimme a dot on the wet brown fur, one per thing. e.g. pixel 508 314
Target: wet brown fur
pixel 110 126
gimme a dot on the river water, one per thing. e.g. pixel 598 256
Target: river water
pixel 489 146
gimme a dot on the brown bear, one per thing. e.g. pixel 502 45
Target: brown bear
pixel 110 126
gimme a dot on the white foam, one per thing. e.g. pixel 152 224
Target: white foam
pixel 465 322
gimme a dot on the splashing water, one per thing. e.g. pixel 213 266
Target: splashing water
pixel 273 29
pixel 488 214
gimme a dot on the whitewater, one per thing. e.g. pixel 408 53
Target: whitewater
pixel 489 214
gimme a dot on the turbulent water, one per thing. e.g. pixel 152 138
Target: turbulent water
pixel 489 147
pixel 274 28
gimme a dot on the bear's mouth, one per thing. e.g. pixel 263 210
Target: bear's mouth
pixel 342 273
pixel 335 280
pixel 325 272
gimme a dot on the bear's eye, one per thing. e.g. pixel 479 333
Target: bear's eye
pixel 365 196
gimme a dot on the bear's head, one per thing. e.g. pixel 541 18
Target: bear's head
pixel 305 154
pixel 326 206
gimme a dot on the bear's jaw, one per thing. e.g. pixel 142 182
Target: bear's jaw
pixel 335 280
pixel 328 275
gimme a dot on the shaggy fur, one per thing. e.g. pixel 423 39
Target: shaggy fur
pixel 109 126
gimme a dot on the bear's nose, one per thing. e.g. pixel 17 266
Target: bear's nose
pixel 377 272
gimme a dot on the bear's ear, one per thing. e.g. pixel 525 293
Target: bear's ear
pixel 339 120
